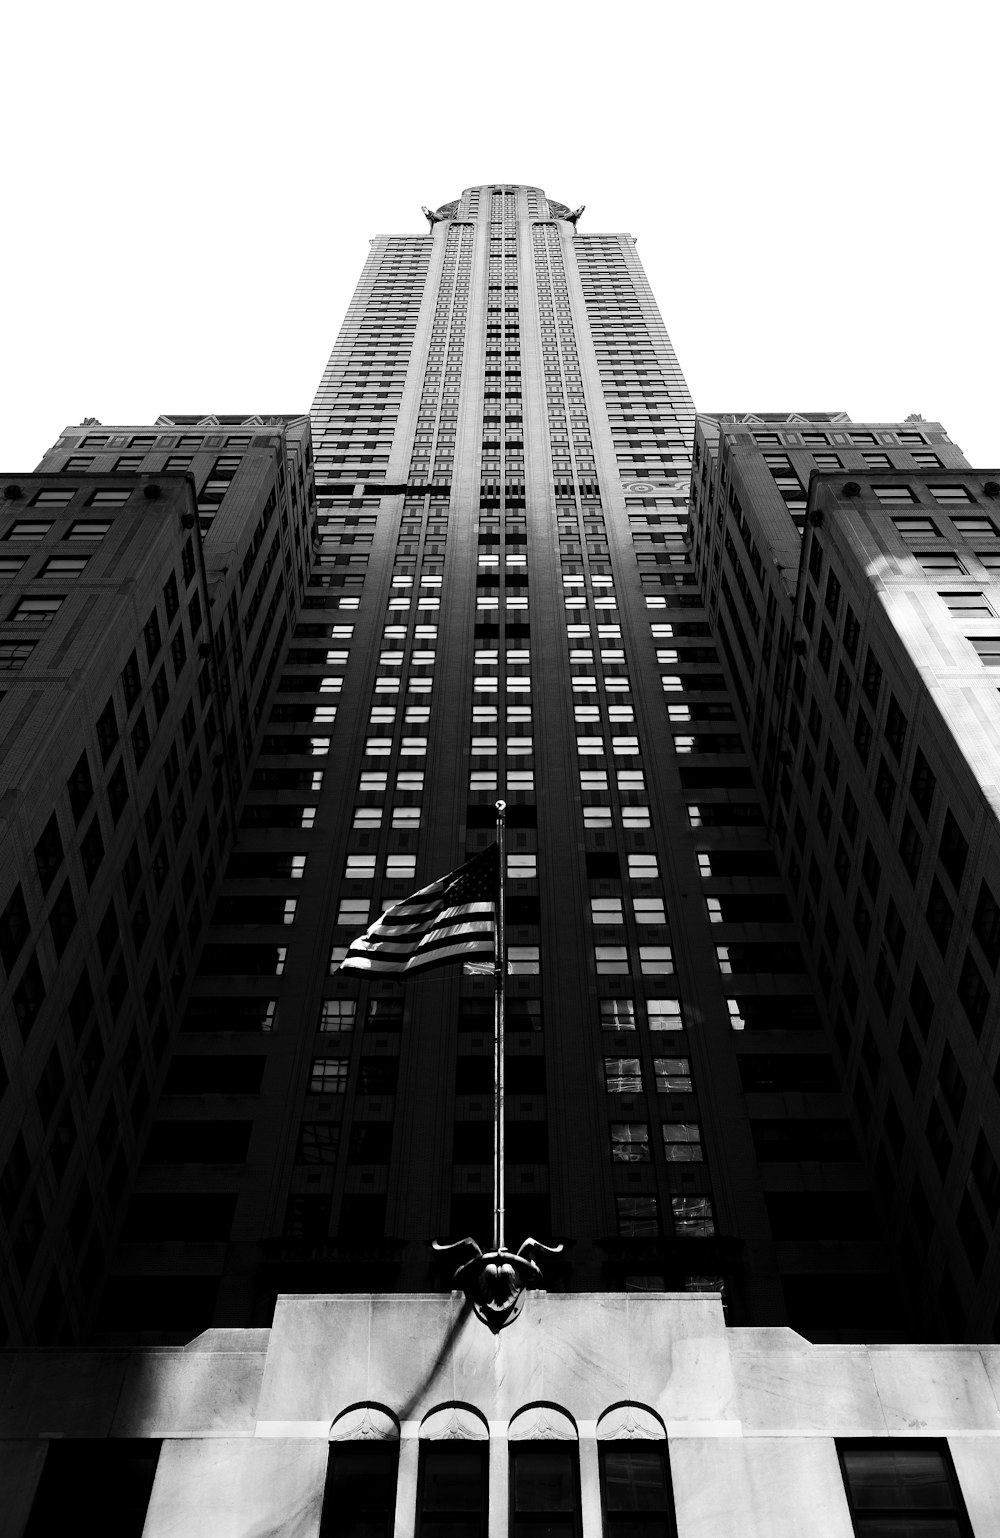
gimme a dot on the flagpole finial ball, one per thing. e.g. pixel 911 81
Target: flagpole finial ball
pixel 501 806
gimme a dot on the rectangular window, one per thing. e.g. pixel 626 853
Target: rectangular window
pixel 871 681
pixel 328 1076
pixel 37 611
pixel 617 1014
pixel 28 531
pixel 352 913
pixel 950 495
pixel 673 1075
pixel 664 1014
pixel 109 497
pixel 953 850
pixel 974 527
pixel 14 654
pixel 638 1217
pixel 969 605
pixel 87 531
pixel 630 1142
pixel 622 1075
pixel 80 1474
pixel 922 784
pixel 987 646
pixel 902 1487
pixel 682 1142
pixel 359 1500
pixel 64 566
pixel 916 529
pixel 693 1217
pixel 337 1015
pixel 452 1489
pixel 636 1497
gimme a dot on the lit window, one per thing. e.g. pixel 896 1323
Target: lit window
pixel 655 958
pixel 337 1015
pixel 606 910
pixel 617 1014
pixel 642 867
pixel 693 1217
pixel 664 1014
pixel 622 1076
pixel 360 867
pixel 400 867
pixel 522 959
pixel 673 1075
pixel 649 910
pixel 328 1076
pixel 629 1142
pixel 353 912
pixel 682 1142
pixel 64 566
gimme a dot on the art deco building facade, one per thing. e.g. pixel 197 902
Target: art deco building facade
pixel 748 983
pixel 502 600
pixel 152 577
pixel 877 750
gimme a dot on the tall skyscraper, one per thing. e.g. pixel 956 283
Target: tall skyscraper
pixel 732 681
pixel 505 596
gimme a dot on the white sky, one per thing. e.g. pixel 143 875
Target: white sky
pixel 188 191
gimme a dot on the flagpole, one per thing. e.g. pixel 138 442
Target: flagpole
pixel 498 1043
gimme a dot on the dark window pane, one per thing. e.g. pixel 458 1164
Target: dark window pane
pixel 635 1477
pixel 78 1474
pixel 915 1479
pixel 360 1496
pixel 544 1479
pixel 452 1491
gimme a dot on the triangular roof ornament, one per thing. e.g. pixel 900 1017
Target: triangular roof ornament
pixel 209 421
pixel 164 421
pixel 253 422
pixel 754 420
pixel 798 420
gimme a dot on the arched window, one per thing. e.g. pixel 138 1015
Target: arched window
pixel 359 1500
pixel 452 1486
pixel 636 1494
pixel 544 1474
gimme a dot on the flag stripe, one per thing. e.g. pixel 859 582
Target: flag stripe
pixel 454 916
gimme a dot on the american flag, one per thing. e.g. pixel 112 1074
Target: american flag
pixel 454 916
